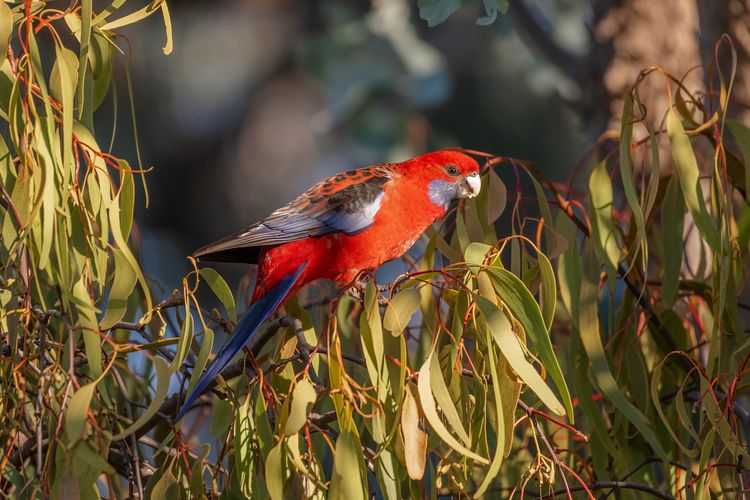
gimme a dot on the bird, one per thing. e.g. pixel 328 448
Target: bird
pixel 342 226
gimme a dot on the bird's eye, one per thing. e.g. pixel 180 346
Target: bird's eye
pixel 452 170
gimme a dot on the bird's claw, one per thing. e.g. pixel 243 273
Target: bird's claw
pixel 357 291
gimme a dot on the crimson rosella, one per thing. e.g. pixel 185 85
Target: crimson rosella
pixel 351 222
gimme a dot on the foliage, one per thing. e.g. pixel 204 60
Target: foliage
pixel 437 11
pixel 444 382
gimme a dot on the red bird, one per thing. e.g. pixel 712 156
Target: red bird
pixel 351 222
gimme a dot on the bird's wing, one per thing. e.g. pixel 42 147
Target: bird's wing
pixel 345 203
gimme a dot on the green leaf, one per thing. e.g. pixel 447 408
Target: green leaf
pixel 603 228
pixel 588 325
pixel 424 385
pixel 221 290
pixel 84 37
pixel 437 11
pixel 673 221
pixel 626 173
pixel 75 415
pixel 89 327
pixel 117 235
pixel 656 381
pixel 569 267
pixel 6 28
pixel 492 8
pixel 506 340
pixel 443 396
pixel 126 197
pixel 346 481
pixel 123 282
pixel 400 309
pixel 742 135
pixel 100 58
pixel 521 303
pixel 162 386
pixel 500 438
pixel 87 466
pixel 275 472
pixel 371 335
pixel 475 254
pixel 243 447
pixel 142 14
pixel 63 78
pixel 200 362
pixel 719 421
pixel 549 289
pixel 62 83
pixel 186 338
pixel 164 488
pixel 303 397
pixel 497 197
pixel 686 168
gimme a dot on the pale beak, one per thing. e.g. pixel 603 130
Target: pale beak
pixel 470 186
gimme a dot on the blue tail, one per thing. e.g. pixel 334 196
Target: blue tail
pixel 256 314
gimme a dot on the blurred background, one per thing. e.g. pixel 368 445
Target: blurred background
pixel 261 99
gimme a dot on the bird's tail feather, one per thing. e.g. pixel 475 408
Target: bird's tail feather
pixel 256 314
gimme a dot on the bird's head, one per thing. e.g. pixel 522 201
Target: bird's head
pixel 449 175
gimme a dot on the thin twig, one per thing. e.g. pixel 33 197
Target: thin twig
pixel 135 457
pixel 543 436
pixel 40 397
pixel 607 485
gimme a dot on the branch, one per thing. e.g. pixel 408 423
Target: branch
pixel 607 485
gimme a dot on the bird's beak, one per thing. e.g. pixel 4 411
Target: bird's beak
pixel 470 186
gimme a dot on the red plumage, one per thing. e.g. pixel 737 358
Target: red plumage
pixel 405 211
pixel 351 222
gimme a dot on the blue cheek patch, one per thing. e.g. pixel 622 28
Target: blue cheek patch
pixel 442 192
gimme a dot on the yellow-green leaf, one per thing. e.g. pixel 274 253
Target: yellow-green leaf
pixel 400 309
pixel 303 397
pixel 673 221
pixel 741 134
pixel 162 386
pixel 347 479
pixel 521 303
pixel 75 415
pixel 200 362
pixel 443 397
pixel 588 325
pixel 6 28
pixel 123 282
pixel 503 335
pixel 686 168
pixel 221 290
pixel 89 327
pixel 424 386
pixel 602 225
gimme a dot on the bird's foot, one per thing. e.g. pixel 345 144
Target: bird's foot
pixel 358 292
pixel 358 286
pixel 355 292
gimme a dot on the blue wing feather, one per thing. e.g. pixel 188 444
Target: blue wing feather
pixel 256 314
